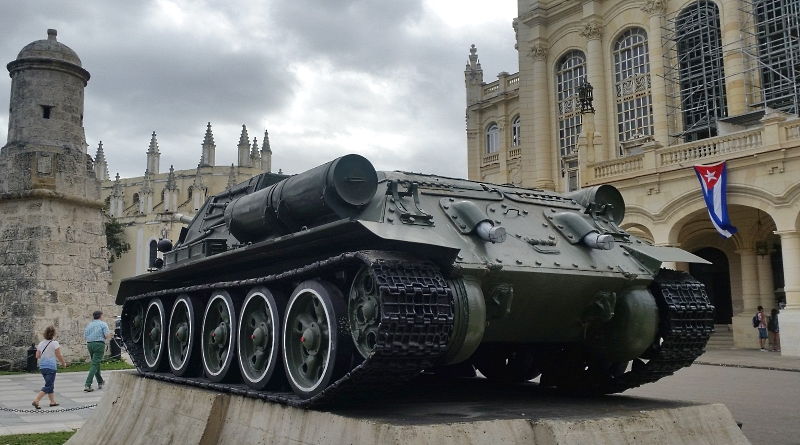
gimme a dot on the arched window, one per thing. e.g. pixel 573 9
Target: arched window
pixel 778 32
pixel 702 78
pixel 136 198
pixel 632 84
pixel 153 254
pixel 492 138
pixel 570 73
pixel 515 132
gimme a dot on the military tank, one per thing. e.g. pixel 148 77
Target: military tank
pixel 340 281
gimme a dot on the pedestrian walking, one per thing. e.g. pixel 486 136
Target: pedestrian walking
pixel 96 334
pixel 760 322
pixel 47 352
pixel 774 331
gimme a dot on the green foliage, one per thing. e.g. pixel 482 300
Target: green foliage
pixel 115 239
pixel 37 439
pixel 106 365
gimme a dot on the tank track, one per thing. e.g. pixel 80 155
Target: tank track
pixel 686 321
pixel 416 324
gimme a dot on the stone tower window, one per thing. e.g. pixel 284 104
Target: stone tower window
pixel 46 111
pixel 632 84
pixel 153 253
pixel 492 138
pixel 702 77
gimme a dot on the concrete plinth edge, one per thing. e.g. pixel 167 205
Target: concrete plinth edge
pixel 142 411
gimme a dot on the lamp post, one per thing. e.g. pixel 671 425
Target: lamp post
pixel 585 97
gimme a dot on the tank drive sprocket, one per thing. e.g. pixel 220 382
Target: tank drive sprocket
pixel 686 321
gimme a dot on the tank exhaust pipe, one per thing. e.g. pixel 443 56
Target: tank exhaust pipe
pixel 596 240
pixel 488 232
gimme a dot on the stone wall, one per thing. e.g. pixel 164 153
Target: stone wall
pixel 53 270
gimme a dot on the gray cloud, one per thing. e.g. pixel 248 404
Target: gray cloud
pixel 326 77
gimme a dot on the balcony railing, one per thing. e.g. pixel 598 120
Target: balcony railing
pixel 500 85
pixel 514 153
pixel 710 147
pixel 714 149
pixel 490 158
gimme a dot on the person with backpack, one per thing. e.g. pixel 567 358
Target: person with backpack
pixel 760 322
pixel 774 331
pixel 47 352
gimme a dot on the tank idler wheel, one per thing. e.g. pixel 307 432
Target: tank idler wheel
pixel 364 312
pixel 259 338
pixel 218 342
pixel 154 335
pixel 316 348
pixel 136 315
pixel 181 337
pixel 506 366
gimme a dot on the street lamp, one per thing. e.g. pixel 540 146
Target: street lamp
pixel 585 97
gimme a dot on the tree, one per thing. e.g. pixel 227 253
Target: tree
pixel 115 239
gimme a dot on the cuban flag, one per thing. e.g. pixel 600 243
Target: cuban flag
pixel 713 180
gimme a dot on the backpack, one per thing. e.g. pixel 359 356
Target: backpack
pixel 755 321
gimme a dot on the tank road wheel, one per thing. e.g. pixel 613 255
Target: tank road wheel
pixel 217 342
pixel 315 346
pixel 136 315
pixel 154 335
pixel 506 366
pixel 259 338
pixel 181 336
pixel 363 312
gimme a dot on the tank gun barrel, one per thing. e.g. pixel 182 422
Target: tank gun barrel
pixel 335 190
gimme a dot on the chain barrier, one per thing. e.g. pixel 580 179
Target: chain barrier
pixel 116 340
pixel 46 411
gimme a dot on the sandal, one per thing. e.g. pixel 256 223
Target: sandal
pixel 36 405
pixel 54 404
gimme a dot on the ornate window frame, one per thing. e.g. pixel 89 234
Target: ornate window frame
pixel 492 138
pixel 632 87
pixel 516 131
pixel 701 71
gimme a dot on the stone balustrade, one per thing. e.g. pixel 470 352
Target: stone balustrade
pixel 514 153
pixel 490 158
pixel 768 137
pixel 499 86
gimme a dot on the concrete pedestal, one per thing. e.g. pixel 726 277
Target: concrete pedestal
pixel 745 336
pixel 148 412
pixel 789 320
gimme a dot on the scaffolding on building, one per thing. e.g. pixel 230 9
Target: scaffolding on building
pixel 694 54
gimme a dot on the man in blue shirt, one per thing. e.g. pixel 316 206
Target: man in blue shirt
pixel 96 334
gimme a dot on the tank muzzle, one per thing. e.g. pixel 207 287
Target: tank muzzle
pixel 597 241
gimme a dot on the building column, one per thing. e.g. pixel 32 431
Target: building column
pixel 733 58
pixel 766 285
pixel 749 277
pixel 596 75
pixel 541 120
pixel 789 318
pixel 658 93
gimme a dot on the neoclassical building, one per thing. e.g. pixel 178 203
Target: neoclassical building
pixel 149 206
pixel 675 84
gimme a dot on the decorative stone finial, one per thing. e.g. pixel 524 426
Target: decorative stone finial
pixel 231 178
pixel 153 148
pixel 265 148
pixel 171 182
pixel 244 139
pixel 254 150
pixel 51 34
pixel 208 139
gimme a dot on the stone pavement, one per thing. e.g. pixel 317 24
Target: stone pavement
pixel 17 391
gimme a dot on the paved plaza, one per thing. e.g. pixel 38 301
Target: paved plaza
pixel 16 392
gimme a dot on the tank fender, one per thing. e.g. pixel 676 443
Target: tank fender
pixel 651 257
pixel 631 329
pixel 469 311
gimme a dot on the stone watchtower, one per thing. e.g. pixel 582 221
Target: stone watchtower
pixel 53 259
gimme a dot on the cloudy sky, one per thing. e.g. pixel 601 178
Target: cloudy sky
pixel 383 78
